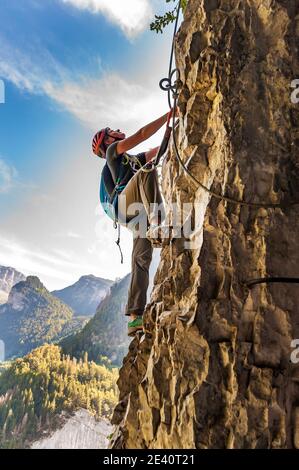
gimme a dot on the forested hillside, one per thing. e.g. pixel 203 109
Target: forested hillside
pixel 32 317
pixel 36 389
pixel 106 333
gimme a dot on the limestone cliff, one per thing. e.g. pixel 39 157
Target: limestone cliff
pixel 79 431
pixel 213 369
pixel 9 277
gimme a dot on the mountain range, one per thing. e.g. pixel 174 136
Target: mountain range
pixel 85 295
pixel 33 316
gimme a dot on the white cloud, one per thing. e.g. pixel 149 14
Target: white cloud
pixel 68 234
pixel 56 270
pixel 71 234
pixel 7 176
pixel 133 16
pixel 9 179
pixel 29 71
pixel 109 101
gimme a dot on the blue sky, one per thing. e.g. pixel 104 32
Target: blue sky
pixel 70 67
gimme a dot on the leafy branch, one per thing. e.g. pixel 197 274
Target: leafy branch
pixel 161 21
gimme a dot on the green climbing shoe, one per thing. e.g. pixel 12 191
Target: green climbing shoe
pixel 135 325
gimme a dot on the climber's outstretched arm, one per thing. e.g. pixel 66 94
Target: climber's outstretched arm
pixel 140 136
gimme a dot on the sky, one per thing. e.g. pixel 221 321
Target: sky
pixel 69 68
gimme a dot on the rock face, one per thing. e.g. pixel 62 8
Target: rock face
pixel 213 369
pixel 8 278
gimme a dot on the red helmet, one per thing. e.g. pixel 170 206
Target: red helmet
pixel 98 146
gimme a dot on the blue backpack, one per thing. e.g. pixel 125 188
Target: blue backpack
pixel 109 191
pixel 109 195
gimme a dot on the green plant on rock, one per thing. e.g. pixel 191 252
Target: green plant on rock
pixel 161 21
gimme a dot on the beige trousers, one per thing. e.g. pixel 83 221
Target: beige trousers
pixel 143 190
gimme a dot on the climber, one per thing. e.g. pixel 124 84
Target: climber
pixel 125 183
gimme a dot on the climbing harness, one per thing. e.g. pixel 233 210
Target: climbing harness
pixel 170 84
pixel 109 201
pixel 136 165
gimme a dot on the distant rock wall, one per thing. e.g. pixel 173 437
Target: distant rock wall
pixel 81 431
pixel 85 295
pixel 32 317
pixel 8 278
pixel 213 369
